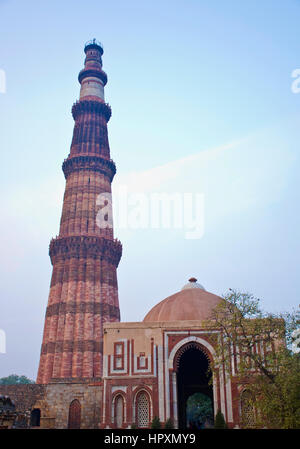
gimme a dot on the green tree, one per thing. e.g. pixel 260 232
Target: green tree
pixel 14 379
pixel 220 422
pixel 260 343
pixel 199 409
pixel 156 424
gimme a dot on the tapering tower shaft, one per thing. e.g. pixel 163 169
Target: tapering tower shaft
pixel 83 291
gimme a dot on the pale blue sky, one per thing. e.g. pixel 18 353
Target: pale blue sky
pixel 201 97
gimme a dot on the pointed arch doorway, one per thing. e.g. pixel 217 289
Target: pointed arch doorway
pixel 194 389
pixel 74 415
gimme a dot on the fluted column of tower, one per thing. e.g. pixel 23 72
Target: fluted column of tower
pixel 84 291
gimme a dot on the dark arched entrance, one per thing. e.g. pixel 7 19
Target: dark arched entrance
pixel 35 417
pixel 74 415
pixel 195 393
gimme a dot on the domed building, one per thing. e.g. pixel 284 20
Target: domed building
pixel 159 366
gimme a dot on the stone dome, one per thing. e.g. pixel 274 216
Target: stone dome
pixel 192 302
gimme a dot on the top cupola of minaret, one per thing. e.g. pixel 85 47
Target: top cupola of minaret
pixel 93 50
pixel 92 78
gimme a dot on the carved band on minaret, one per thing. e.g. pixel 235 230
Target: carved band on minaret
pixel 91 107
pixel 72 346
pixel 104 166
pixel 84 307
pixel 63 248
pixel 87 73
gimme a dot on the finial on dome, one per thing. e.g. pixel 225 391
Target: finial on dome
pixel 193 280
pixel 192 284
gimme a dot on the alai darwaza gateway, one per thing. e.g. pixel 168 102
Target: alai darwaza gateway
pixel 158 367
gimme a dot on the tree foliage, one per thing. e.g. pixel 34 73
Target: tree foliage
pixel 169 424
pixel 156 424
pixel 254 348
pixel 199 409
pixel 14 379
pixel 220 422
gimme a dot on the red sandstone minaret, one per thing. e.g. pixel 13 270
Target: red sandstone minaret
pixel 84 291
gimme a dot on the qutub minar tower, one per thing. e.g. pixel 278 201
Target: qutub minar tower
pixel 84 291
pixel 95 371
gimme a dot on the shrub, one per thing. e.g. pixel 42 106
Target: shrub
pixel 169 424
pixel 156 424
pixel 220 422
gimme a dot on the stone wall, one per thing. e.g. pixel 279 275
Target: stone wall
pixel 23 395
pixel 54 401
pixel 59 396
